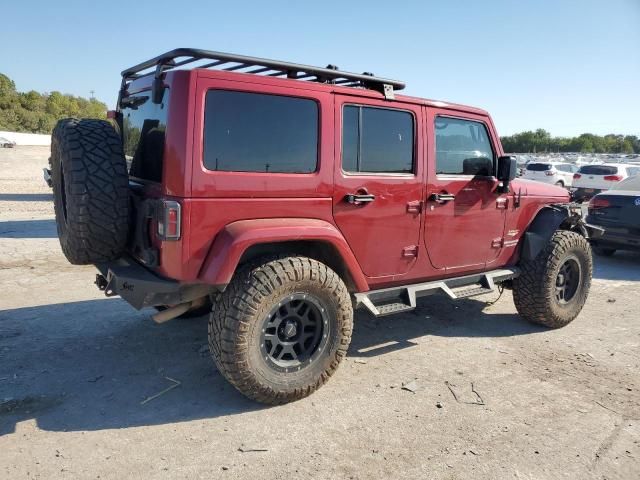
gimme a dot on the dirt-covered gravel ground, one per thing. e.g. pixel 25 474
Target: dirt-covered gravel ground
pixel 531 403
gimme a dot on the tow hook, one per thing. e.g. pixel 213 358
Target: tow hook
pixel 103 285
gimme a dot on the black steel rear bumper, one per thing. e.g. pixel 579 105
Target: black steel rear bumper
pixel 142 288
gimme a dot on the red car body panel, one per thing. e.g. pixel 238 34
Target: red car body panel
pixel 402 237
pixel 237 237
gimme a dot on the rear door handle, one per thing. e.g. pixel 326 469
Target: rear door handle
pixel 359 198
pixel 442 197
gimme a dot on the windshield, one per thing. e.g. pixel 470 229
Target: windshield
pixel 538 167
pixel 598 170
pixel 143 131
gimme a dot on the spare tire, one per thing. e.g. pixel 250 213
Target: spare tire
pixel 90 190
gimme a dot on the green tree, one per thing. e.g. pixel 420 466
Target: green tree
pixel 35 112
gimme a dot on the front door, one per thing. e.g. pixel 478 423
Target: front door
pixel 378 183
pixel 465 215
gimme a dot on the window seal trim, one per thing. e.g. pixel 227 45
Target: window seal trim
pixel 414 162
pixel 462 175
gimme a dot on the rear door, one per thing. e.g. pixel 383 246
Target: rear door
pixel 378 183
pixel 465 215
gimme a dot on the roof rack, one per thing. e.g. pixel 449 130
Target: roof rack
pixel 260 66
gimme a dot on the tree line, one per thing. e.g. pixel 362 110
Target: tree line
pixel 542 141
pixel 33 112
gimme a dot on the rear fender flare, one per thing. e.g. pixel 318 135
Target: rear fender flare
pixel 234 240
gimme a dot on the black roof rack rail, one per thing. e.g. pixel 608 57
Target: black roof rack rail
pixel 260 66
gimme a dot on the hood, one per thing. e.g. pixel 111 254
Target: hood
pixel 532 188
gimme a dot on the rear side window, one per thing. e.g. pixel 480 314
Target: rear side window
pixel 598 170
pixel 250 132
pixel 377 140
pixel 462 147
pixel 538 167
pixel 143 131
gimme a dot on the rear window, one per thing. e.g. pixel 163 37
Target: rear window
pixel 143 131
pixel 538 167
pixel 598 170
pixel 251 132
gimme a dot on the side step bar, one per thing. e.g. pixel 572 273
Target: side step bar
pixel 387 301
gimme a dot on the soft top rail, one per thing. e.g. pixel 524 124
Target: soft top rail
pixel 229 62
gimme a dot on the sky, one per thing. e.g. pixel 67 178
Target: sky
pixel 567 66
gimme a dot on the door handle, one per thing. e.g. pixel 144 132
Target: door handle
pixel 359 198
pixel 442 197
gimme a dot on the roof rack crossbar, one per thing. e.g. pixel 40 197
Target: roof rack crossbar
pixel 330 74
pixel 213 64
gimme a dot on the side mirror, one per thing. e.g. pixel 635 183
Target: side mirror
pixel 507 170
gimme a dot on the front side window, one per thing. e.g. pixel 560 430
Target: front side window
pixel 251 132
pixel 377 140
pixel 463 148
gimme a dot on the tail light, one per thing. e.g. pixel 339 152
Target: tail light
pixel 169 220
pixel 598 202
pixel 613 178
pixel 549 173
pixel 576 176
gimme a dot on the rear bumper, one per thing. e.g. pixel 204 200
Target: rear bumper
pixel 142 288
pixel 614 238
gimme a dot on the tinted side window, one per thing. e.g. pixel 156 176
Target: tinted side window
pixel 249 132
pixel 377 140
pixel 462 147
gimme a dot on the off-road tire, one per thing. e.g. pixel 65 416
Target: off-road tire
pixel 603 252
pixel 236 322
pixel 534 291
pixel 90 190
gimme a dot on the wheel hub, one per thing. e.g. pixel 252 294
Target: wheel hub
pixel 289 329
pixel 568 280
pixel 294 332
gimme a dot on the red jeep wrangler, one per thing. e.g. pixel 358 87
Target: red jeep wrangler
pixel 281 196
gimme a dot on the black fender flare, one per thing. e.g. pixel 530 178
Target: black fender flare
pixel 547 221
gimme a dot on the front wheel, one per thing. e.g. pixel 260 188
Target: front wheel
pixel 281 328
pixel 553 287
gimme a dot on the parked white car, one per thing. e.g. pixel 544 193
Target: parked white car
pixel 593 179
pixel 557 173
pixel 6 143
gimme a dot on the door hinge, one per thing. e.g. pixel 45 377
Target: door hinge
pixel 414 206
pixel 410 251
pixel 497 242
pixel 502 203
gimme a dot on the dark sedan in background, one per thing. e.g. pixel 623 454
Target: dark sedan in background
pixel 618 212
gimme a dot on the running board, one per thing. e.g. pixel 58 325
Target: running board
pixel 387 301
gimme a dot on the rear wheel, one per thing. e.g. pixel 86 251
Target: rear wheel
pixel 552 288
pixel 281 328
pixel 560 183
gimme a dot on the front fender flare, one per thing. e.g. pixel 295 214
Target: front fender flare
pixel 547 221
pixel 230 244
